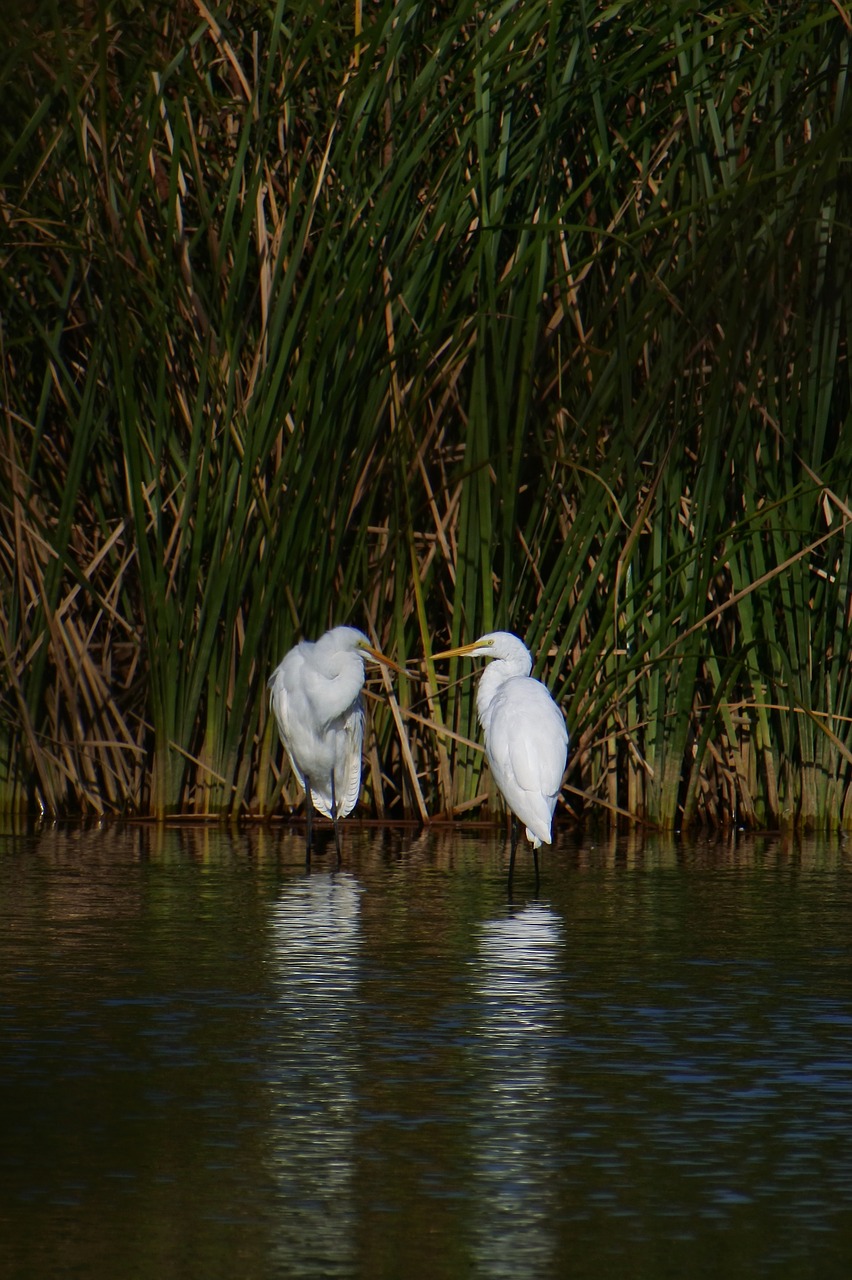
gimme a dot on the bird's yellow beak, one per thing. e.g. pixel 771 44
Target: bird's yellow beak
pixel 461 652
pixel 381 657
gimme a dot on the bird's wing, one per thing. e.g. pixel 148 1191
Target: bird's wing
pixel 527 747
pixel 285 678
pixel 347 774
pixel 529 736
pixel 284 690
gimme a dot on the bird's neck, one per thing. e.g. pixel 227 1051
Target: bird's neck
pixel 493 676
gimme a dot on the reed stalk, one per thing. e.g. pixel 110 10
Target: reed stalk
pixel 432 321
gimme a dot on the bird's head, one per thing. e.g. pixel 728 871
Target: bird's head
pixel 351 640
pixel 494 644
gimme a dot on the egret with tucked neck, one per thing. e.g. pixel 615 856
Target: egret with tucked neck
pixel 526 741
pixel 315 696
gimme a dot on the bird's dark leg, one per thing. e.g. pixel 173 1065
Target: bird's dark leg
pixel 535 864
pixel 516 831
pixel 334 818
pixel 309 816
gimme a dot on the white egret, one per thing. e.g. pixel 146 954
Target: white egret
pixel 315 696
pixel 526 740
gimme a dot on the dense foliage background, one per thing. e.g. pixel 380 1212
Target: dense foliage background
pixel 430 318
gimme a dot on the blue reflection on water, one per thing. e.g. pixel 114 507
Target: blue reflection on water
pixel 315 931
pixel 516 963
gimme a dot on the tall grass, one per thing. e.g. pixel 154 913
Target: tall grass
pixel 534 316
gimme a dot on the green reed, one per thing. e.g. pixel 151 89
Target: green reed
pixel 531 318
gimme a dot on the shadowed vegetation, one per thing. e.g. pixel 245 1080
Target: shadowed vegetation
pixel 430 319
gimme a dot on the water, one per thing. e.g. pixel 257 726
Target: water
pixel 213 1064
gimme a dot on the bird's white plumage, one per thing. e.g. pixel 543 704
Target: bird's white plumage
pixel 315 696
pixel 527 746
pixel 526 740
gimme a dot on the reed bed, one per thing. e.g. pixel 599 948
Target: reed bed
pixel 433 319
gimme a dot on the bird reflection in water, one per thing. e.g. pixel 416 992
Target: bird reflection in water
pixel 519 1034
pixel 315 948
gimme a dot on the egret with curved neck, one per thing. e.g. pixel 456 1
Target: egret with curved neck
pixel 315 696
pixel 526 741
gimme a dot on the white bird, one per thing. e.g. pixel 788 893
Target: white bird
pixel 526 741
pixel 315 696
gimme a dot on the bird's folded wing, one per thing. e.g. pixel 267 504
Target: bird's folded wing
pixel 531 739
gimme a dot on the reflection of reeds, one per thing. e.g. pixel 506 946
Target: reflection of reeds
pixel 539 321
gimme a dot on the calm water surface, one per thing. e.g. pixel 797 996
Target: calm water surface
pixel 213 1064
